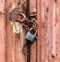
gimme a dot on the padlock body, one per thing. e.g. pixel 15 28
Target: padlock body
pixel 30 36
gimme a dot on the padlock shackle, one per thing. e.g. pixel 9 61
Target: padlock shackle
pixel 33 29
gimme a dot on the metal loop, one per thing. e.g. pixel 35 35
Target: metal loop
pixel 24 17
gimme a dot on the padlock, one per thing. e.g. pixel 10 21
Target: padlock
pixel 31 35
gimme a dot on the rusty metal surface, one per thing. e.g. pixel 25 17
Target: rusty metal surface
pixel 2 31
pixel 57 59
pixel 14 44
pixel 40 52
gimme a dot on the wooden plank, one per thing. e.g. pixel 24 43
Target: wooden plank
pixel 39 31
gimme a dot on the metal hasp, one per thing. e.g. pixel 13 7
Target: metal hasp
pixel 28 15
pixel 28 9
